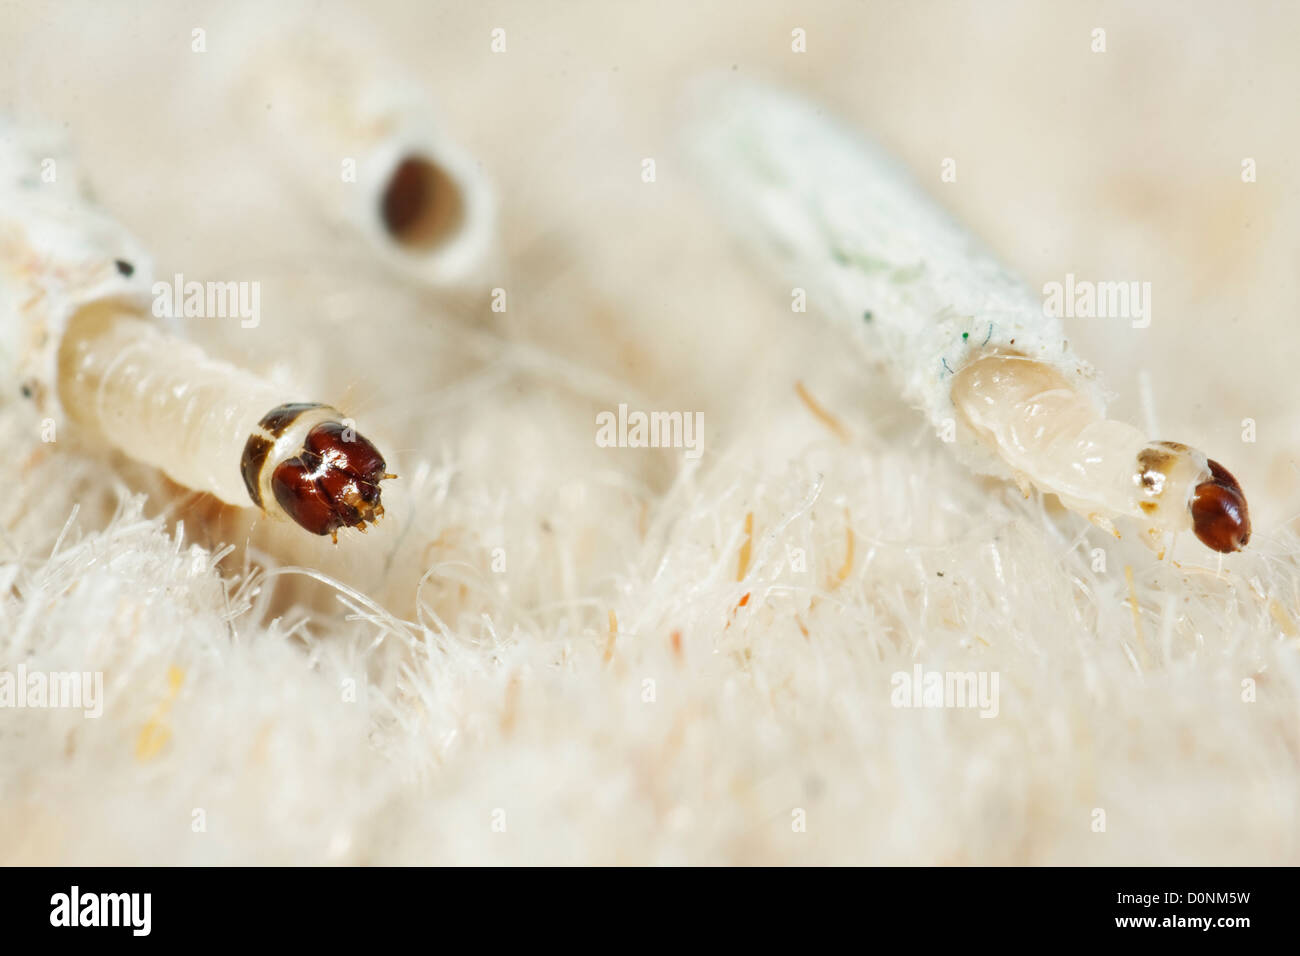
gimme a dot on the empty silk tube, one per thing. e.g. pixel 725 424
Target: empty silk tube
pixel 362 145
pixel 74 341
pixel 963 338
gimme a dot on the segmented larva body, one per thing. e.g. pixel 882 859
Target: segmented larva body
pixel 213 427
pixel 162 400
pixel 1054 438
pixel 964 339
pixel 73 288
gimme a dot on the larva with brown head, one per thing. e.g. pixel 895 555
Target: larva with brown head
pixel 1053 437
pixel 73 290
pixel 213 427
pixel 963 339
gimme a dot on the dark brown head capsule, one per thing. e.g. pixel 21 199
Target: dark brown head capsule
pixel 333 482
pixel 1219 515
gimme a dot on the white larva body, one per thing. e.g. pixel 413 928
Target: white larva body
pixel 964 338
pixel 316 99
pixel 163 400
pixel 74 288
pixel 1051 436
pixel 149 394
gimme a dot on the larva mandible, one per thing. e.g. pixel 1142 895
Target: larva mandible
pixel 965 339
pixel 71 336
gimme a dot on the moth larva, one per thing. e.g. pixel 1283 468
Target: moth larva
pixel 1055 439
pixel 964 339
pixel 72 292
pixel 213 427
